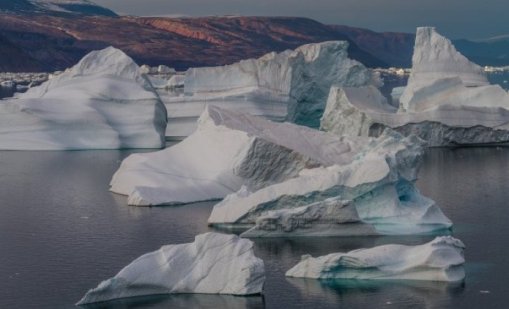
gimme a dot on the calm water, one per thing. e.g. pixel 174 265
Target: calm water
pixel 62 232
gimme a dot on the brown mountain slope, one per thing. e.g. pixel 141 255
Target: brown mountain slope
pixel 56 42
pixel 13 58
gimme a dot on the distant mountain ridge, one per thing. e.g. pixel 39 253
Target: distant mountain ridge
pixel 49 35
pixel 57 42
pixel 80 7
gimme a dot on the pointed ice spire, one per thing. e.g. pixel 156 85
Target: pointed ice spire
pixel 435 58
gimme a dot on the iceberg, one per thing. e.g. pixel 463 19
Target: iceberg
pixel 439 260
pixel 447 101
pixel 103 102
pixel 289 86
pixel 371 194
pixel 274 176
pixel 436 58
pixel 213 264
pixel 228 150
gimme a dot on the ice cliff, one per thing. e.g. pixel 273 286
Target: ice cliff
pixel 103 102
pixel 213 264
pixel 292 86
pixel 439 260
pixel 447 101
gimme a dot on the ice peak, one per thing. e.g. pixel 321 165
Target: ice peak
pixel 106 62
pixel 435 56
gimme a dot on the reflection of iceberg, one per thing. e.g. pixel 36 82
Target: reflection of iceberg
pixel 292 85
pixel 212 264
pixel 192 301
pixel 103 102
pixel 439 260
pixel 371 293
pixel 447 101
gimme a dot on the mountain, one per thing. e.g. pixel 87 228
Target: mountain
pixel 58 41
pixel 394 48
pixel 15 59
pixel 51 35
pixel 491 52
pixel 55 7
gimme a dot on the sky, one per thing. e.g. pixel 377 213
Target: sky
pixel 472 19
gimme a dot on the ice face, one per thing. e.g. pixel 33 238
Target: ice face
pixel 292 86
pixel 439 260
pixel 103 102
pixel 213 264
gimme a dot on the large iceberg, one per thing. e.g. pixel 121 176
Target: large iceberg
pixel 447 101
pixel 229 150
pixel 213 264
pixel 103 102
pixel 439 260
pixel 273 173
pixel 292 86
pixel 372 193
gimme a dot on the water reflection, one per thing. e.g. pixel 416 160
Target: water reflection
pixel 194 301
pixel 62 232
pixel 400 294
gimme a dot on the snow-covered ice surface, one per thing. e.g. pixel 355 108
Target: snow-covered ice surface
pixel 439 260
pixel 213 264
pixel 447 101
pixel 373 193
pixel 292 86
pixel 228 150
pixel 103 102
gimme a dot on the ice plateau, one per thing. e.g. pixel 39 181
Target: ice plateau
pixel 213 264
pixel 447 101
pixel 439 260
pixel 292 86
pixel 103 102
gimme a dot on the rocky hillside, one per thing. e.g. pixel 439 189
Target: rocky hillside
pixel 56 42
pixel 49 35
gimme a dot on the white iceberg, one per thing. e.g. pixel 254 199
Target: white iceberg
pixel 103 102
pixel 447 101
pixel 228 150
pixel 292 86
pixel 436 58
pixel 376 186
pixel 212 264
pixel 439 260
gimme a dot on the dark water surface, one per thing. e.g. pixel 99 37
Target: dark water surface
pixel 62 232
